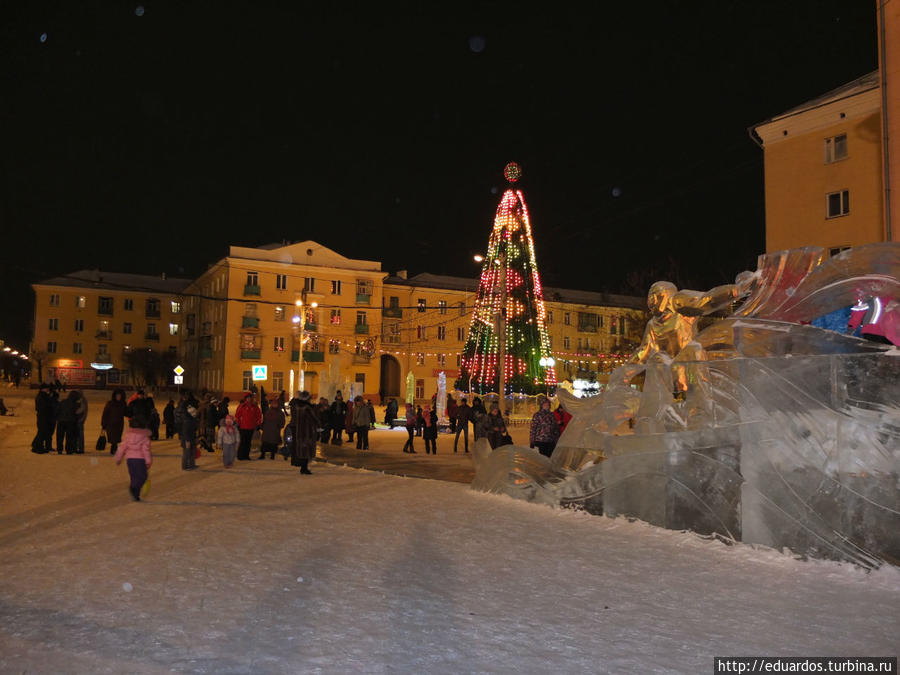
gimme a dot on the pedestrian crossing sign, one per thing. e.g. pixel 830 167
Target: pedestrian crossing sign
pixel 259 373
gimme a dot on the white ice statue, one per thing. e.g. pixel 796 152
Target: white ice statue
pixel 441 403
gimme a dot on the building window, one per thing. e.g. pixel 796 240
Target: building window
pixel 335 317
pixel 549 317
pixel 309 284
pixel 279 344
pixel 279 312
pixel 393 334
pixel 442 360
pixel 441 332
pixel 459 360
pixel 51 347
pixel 252 280
pixel 103 329
pixel 128 304
pixel 361 379
pixel 277 380
pixel 567 318
pixel 334 346
pixel 175 307
pixel 77 348
pixel 462 309
pixel 360 318
pixel 54 324
pixel 152 308
pixel 247 380
pixel 442 306
pixel 420 305
pixel 394 302
pixel 835 148
pixel 838 204
pixel 80 302
pixel 460 333
pixel 363 287
pixel 79 325
pixel 105 305
pixel 103 350
pixel 420 388
pixel 335 286
pixel 579 344
pixel 420 359
pixel 421 333
pixel 126 328
pixel 151 328
pixel 250 309
pixel 567 342
pixel 281 282
pixel 173 329
pixel 621 325
pixel 248 342
pixel 54 299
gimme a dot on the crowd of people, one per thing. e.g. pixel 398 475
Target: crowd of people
pixel 291 428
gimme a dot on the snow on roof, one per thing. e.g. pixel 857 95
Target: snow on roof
pixel 118 281
pixel 551 293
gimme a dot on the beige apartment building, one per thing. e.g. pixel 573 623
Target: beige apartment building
pixel 87 322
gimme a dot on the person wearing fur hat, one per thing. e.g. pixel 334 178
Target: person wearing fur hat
pixel 304 426
pixel 272 424
pixel 494 428
pixel 544 428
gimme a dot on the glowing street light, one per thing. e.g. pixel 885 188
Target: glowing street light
pixel 478 258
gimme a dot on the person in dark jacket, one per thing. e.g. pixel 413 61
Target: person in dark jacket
pixel 451 413
pixel 390 412
pixel 463 416
pixel 272 424
pixel 223 410
pixel 211 421
pixel 189 409
pixel 322 415
pixel 337 414
pixel 113 419
pixel 169 418
pixel 493 426
pixel 154 419
pixel 429 430
pixel 67 425
pixel 371 410
pixel 43 408
pixel 420 421
pixel 304 423
pixel 410 428
pixel 139 410
pixel 360 422
pixel 544 428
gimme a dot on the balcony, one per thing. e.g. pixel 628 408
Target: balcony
pixel 308 357
pixel 251 289
pixel 151 337
pixel 310 326
pixel 249 322
pixel 104 335
pixel 392 312
pixel 363 299
pixel 152 313
pixel 361 358
pixel 252 354
pixel 361 329
pixel 205 353
pixel 587 328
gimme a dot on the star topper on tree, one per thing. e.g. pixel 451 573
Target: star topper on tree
pixel 509 322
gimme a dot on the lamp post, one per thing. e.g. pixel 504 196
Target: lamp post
pixel 547 362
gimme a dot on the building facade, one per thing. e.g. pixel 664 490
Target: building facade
pixel 89 324
pixel 291 316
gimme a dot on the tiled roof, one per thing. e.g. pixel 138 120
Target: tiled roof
pixel 117 281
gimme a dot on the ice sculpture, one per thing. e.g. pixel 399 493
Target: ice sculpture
pixel 759 428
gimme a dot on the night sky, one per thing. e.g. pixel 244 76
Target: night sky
pixel 148 137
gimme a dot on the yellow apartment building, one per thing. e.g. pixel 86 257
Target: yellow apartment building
pixel 249 313
pixel 86 322
pixel 824 170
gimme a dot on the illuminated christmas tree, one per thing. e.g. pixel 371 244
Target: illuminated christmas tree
pixel 509 321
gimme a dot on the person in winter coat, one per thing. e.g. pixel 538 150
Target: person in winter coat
pixel 493 427
pixel 222 412
pixel 463 417
pixel 420 421
pixel 349 426
pixel 211 421
pixel 154 419
pixel 371 410
pixel 169 418
pixel 390 412
pixel 544 428
pixel 112 421
pixel 139 408
pixel 322 411
pixel 179 412
pixel 429 429
pixel 228 440
pixel 337 414
pixel 562 418
pixel 188 432
pixel 249 418
pixel 272 424
pixel 135 449
pixel 451 413
pixel 67 425
pixel 410 428
pixel 43 408
pixel 81 412
pixel 304 423
pixel 360 421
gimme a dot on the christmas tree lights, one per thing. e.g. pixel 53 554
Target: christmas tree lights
pixel 509 317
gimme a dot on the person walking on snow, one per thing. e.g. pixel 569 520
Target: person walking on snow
pixel 272 424
pixel 305 424
pixel 113 419
pixel 228 440
pixel 249 418
pixel 410 428
pixel 135 449
pixel 361 419
pixel 544 428
pixel 429 430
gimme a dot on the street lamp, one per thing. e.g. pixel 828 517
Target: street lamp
pixel 478 258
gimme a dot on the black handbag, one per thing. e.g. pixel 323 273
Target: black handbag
pixel 101 442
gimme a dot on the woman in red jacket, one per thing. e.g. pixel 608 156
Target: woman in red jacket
pixel 249 418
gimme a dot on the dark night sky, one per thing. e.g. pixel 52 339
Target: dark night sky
pixel 151 142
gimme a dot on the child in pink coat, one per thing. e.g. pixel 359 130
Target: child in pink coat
pixel 135 448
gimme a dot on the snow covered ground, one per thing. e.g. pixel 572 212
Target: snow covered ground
pixel 260 570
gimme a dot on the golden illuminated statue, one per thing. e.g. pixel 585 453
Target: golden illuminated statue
pixel 674 314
